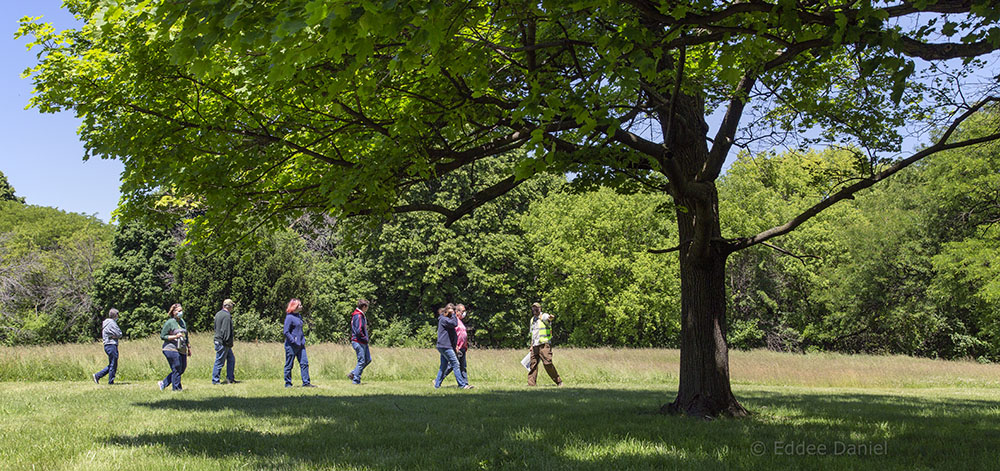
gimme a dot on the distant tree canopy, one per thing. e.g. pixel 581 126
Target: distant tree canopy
pixel 905 268
pixel 47 261
pixel 260 112
pixel 7 191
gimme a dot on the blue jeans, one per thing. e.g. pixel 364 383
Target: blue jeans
pixel 293 352
pixel 178 363
pixel 449 359
pixel 223 354
pixel 112 368
pixel 364 359
pixel 460 354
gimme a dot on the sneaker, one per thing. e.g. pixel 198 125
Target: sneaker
pixel 96 381
pixel 350 376
pixel 310 385
pixel 216 383
pixel 468 386
pixel 559 384
pixel 435 385
pixel 288 385
pixel 233 381
pixel 160 384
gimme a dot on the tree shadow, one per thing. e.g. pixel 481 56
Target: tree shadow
pixel 574 428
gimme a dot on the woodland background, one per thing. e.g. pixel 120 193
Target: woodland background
pixel 909 267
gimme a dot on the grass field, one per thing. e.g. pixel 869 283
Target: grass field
pixel 811 412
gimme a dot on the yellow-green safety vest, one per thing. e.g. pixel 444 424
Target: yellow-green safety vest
pixel 545 332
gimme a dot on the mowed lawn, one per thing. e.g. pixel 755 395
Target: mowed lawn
pixel 810 412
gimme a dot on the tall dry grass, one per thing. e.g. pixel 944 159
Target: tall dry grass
pixel 141 360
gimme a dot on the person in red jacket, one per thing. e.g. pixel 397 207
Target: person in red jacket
pixel 359 340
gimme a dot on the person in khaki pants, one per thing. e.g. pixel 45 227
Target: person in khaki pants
pixel 541 345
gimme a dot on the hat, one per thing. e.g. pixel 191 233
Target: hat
pixel 227 302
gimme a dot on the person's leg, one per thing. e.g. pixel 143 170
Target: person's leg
pixel 230 365
pixel 360 351
pixel 220 356
pixel 170 364
pixel 104 371
pixel 289 361
pixel 181 367
pixel 174 378
pixel 441 368
pixel 461 363
pixel 304 365
pixel 447 371
pixel 112 362
pixel 453 361
pixel 533 367
pixel 545 353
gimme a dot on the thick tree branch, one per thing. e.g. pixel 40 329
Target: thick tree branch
pixel 942 51
pixel 848 192
pixel 726 135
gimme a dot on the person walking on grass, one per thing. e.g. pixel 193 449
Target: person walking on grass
pixel 447 339
pixel 175 347
pixel 110 333
pixel 224 344
pixel 541 345
pixel 461 342
pixel 359 340
pixel 295 344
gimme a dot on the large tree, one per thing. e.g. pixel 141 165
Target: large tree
pixel 260 111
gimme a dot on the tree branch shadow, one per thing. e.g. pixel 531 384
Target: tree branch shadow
pixel 573 428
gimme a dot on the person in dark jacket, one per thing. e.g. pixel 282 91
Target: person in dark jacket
pixel 224 344
pixel 175 347
pixel 295 344
pixel 359 340
pixel 110 333
pixel 447 339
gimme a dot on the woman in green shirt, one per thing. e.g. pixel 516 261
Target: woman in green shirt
pixel 175 347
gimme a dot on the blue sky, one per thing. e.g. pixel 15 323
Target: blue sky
pixel 43 156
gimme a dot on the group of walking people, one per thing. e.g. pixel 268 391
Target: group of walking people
pixel 452 344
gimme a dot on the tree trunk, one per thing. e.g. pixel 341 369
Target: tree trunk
pixel 704 389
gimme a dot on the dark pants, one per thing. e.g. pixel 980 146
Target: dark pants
pixel 112 368
pixel 223 354
pixel 178 363
pixel 460 353
pixel 542 353
pixel 293 352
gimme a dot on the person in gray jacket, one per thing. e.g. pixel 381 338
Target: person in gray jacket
pixel 224 344
pixel 110 333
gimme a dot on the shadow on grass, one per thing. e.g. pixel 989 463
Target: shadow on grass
pixel 589 429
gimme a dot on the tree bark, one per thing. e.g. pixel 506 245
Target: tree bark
pixel 704 389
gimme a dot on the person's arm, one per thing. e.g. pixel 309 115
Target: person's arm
pixel 363 326
pixel 116 331
pixel 287 329
pixel 165 332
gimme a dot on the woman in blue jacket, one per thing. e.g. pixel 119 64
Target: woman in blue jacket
pixel 295 344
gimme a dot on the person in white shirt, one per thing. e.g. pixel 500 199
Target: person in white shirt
pixel 110 333
pixel 541 345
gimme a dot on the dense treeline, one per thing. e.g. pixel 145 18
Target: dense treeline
pixel 908 267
